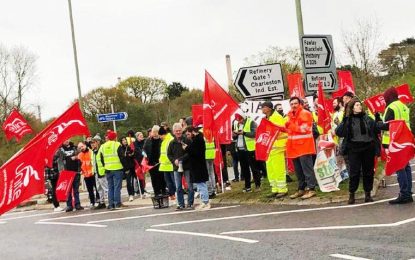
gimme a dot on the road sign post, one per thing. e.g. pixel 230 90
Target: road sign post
pixel 318 63
pixel 264 81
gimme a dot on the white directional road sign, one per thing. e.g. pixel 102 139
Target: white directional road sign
pixel 319 64
pixel 264 81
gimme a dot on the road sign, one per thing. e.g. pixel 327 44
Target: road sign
pixel 318 62
pixel 262 81
pixel 102 118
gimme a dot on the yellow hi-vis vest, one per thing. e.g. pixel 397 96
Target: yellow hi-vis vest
pixel 165 164
pixel 249 142
pixel 315 118
pixel 109 151
pixel 401 112
pixel 97 163
pixel 210 150
pixel 281 140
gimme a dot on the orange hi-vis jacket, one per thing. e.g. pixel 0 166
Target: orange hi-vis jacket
pixel 300 133
pixel 86 163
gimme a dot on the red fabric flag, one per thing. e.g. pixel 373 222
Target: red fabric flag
pixel 218 161
pixel 69 124
pixel 144 165
pixel 16 126
pixel 376 103
pixel 295 85
pixel 401 147
pixel 323 114
pixel 64 184
pixel 197 114
pixel 218 108
pixel 404 94
pixel 264 139
pixel 138 171
pixel 22 177
pixel 345 80
pixel 329 105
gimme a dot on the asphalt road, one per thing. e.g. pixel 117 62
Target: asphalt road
pixel 369 231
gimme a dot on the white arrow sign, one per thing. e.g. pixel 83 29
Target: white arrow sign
pixel 317 52
pixel 260 81
pixel 327 79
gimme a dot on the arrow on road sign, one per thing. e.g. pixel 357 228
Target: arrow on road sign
pixel 240 82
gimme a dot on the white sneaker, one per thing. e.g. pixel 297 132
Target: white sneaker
pixel 131 198
pixel 197 195
pixel 57 209
pixel 228 188
pixel 203 206
pixel 207 206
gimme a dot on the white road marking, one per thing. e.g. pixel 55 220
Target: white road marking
pixel 348 257
pixel 250 241
pixel 2 222
pixel 270 213
pixel 94 214
pixel 31 216
pixel 395 224
pixel 18 212
pixel 396 184
pixel 71 224
pixel 159 214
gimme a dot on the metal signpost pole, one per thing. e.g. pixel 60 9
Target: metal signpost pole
pixel 113 122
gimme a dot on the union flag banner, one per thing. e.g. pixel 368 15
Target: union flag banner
pixel 64 185
pixel 401 147
pixel 324 119
pixel 404 94
pixel 264 139
pixel 376 103
pixel 16 126
pixel 345 80
pixel 197 114
pixel 295 85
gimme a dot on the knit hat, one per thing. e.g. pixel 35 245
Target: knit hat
pixel 162 131
pixel 267 104
pixel 111 135
pixel 390 95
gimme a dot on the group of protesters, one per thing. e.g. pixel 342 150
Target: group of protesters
pixel 180 159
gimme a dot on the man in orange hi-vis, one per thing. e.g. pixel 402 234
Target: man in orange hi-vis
pixel 85 156
pixel 301 147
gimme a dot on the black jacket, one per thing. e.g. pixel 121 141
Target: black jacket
pixel 66 153
pixel 127 157
pixel 152 149
pixel 175 151
pixel 196 151
pixel 138 150
pixel 343 130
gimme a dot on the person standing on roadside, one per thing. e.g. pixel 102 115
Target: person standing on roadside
pixel 166 167
pixel 99 172
pixel 127 161
pixel 85 157
pixel 138 155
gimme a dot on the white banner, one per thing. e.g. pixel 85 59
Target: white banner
pixel 327 173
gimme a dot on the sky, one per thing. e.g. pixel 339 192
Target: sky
pixel 175 40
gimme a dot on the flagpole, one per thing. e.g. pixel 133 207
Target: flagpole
pixel 221 177
pixel 139 188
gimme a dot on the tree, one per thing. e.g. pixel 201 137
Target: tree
pixel 398 58
pixel 145 89
pixel 175 89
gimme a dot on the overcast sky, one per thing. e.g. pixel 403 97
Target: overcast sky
pixel 172 39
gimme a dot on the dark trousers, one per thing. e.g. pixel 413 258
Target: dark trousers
pixel 405 181
pixel 129 177
pixel 248 164
pixel 361 162
pixel 157 180
pixel 235 162
pixel 225 164
pixel 53 184
pixel 304 171
pixel 90 183
pixel 74 193
pixel 169 179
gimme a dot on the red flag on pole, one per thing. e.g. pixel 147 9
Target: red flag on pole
pixel 401 147
pixel 295 85
pixel 64 184
pixel 16 126
pixel 323 114
pixel 376 103
pixel 264 139
pixel 218 107
pixel 345 80
pixel 144 165
pixel 404 94
pixel 197 114
pixel 22 177
pixel 218 161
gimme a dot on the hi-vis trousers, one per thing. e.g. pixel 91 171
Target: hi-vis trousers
pixel 276 171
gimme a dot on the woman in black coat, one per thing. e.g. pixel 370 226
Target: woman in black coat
pixel 198 170
pixel 361 144
pixel 127 161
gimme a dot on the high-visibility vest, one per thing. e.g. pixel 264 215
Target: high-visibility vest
pixel 86 163
pixel 339 115
pixel 109 152
pixel 315 119
pixel 401 112
pixel 165 164
pixel 249 142
pixel 97 163
pixel 300 134
pixel 210 150
pixel 281 140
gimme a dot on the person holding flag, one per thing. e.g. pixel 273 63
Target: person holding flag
pixel 166 167
pixel 396 110
pixel 275 164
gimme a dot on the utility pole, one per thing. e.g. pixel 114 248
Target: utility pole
pixel 113 122
pixel 299 19
pixel 75 55
pixel 229 71
pixel 38 113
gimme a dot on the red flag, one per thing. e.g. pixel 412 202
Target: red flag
pixel 197 114
pixel 323 114
pixel 69 124
pixel 16 126
pixel 218 107
pixel 218 161
pixel 345 80
pixel 404 94
pixel 139 171
pixel 329 105
pixel 376 103
pixel 64 184
pixel 145 167
pixel 295 85
pixel 264 139
pixel 22 177
pixel 401 147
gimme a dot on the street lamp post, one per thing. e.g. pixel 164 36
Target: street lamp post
pixel 75 55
